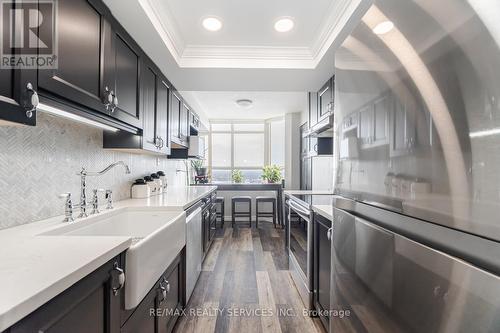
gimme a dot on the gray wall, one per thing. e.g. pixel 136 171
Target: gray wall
pixel 39 163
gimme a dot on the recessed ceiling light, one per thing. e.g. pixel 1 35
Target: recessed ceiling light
pixel 283 24
pixel 244 103
pixel 212 23
pixel 383 27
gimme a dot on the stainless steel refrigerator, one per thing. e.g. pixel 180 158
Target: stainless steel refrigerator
pixel 416 226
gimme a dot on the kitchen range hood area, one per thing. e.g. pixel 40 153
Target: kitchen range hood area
pixel 190 166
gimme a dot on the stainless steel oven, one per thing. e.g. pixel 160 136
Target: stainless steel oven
pixel 300 240
pixel 300 248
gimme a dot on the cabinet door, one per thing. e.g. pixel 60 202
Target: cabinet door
pixel 365 127
pixel 148 102
pixel 79 77
pixel 88 306
pixel 313 109
pixel 402 129
pixel 122 68
pixel 304 140
pixel 162 115
pixel 381 121
pixel 175 110
pixel 141 320
pixel 15 99
pixel 325 100
pixel 184 124
pixel 322 264
pixel 171 301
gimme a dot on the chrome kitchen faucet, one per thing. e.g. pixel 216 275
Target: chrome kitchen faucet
pixel 83 186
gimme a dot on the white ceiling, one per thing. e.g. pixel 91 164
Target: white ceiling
pixel 248 23
pixel 266 104
pixel 246 55
pixel 247 38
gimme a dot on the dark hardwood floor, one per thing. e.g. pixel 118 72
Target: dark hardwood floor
pixel 245 286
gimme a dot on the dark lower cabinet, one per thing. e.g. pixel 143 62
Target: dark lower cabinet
pixel 160 309
pixel 88 306
pixel 322 267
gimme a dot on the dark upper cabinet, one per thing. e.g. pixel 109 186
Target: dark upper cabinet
pixel 325 100
pixel 150 139
pixel 154 109
pixel 313 109
pixel 163 114
pixel 321 103
pixel 79 78
pixel 175 119
pixel 15 97
pixel 184 123
pixel 122 67
pixel 194 123
pixel 90 305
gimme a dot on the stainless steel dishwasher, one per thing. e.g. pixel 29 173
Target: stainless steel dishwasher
pixel 194 247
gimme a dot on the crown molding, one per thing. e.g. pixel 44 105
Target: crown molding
pixel 165 27
pixel 246 57
pixel 214 56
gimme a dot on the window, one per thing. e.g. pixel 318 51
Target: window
pixel 237 146
pixel 221 150
pixel 277 142
pixel 248 150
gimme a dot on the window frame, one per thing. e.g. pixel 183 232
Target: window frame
pixel 232 132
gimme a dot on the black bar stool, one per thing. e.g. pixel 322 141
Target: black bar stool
pixel 219 201
pixel 260 200
pixel 243 213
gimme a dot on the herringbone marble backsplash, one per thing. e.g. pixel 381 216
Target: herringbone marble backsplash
pixel 39 163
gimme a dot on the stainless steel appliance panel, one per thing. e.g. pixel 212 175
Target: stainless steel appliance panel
pixel 414 289
pixel 422 80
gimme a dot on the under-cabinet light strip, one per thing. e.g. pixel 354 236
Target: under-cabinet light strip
pixel 68 115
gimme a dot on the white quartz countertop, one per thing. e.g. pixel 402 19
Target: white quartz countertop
pixel 35 268
pixel 324 210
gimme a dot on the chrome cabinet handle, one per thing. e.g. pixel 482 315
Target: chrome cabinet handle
pixel 329 234
pixel 163 290
pixel 108 98
pixel 117 278
pixel 35 100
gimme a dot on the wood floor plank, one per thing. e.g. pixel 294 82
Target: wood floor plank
pixel 244 274
pixel 212 255
pixel 270 324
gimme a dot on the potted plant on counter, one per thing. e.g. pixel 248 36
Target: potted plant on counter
pixel 237 176
pixel 198 167
pixel 271 173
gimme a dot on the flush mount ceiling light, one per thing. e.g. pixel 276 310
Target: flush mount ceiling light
pixel 383 27
pixel 284 24
pixel 212 23
pixel 244 103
